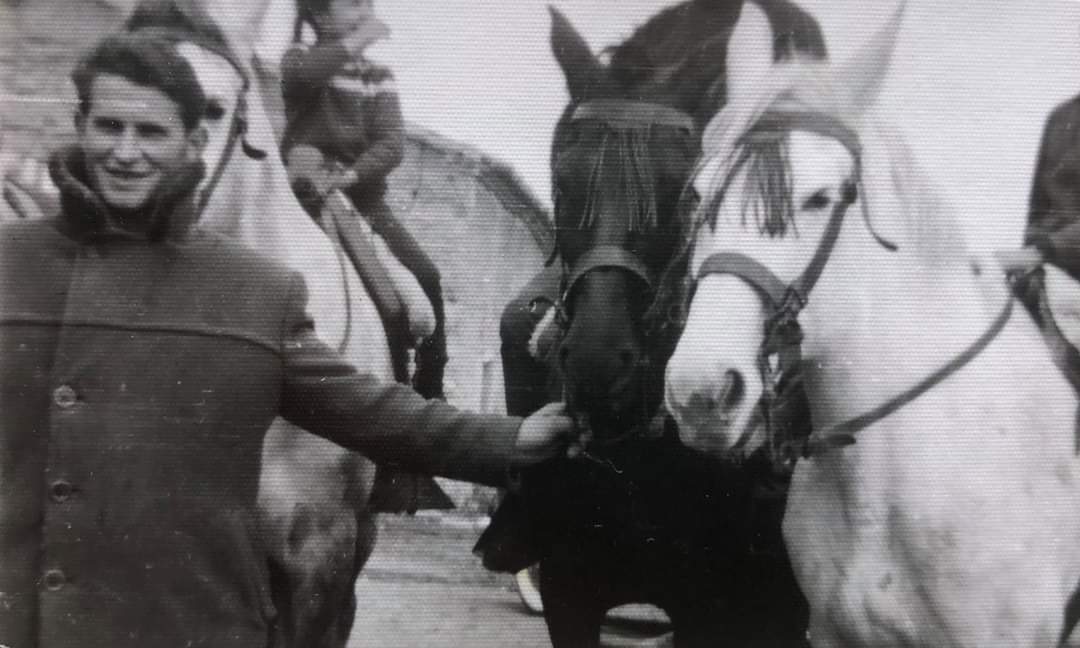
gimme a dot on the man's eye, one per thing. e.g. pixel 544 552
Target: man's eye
pixel 214 110
pixel 108 125
pixel 151 131
pixel 816 202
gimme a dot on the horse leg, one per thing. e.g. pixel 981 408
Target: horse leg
pixel 573 609
pixel 359 474
pixel 698 622
pixel 314 501
pixel 311 578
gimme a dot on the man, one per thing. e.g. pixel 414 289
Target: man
pixel 1053 237
pixel 1053 232
pixel 141 361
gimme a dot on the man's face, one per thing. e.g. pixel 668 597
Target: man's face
pixel 344 17
pixel 133 141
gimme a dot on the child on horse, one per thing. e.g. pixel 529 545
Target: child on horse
pixel 345 106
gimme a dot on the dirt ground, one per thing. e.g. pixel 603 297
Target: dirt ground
pixel 423 588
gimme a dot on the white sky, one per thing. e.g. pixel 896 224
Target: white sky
pixel 971 84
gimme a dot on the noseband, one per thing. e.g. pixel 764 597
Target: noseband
pixel 620 115
pixel 780 354
pixel 238 128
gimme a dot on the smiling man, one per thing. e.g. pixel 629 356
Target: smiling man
pixel 141 361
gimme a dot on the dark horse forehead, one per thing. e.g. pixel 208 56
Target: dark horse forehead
pixel 625 114
pixel 623 171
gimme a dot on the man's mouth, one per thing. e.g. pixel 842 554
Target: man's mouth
pixel 126 175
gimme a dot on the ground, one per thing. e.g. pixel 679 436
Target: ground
pixel 423 588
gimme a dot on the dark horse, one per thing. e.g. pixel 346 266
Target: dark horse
pixel 639 518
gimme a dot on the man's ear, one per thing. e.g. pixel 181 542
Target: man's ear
pixel 197 139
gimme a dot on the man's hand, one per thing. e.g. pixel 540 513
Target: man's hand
pixel 545 434
pixel 368 32
pixel 343 179
pixel 1024 259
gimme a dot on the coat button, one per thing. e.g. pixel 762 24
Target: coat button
pixel 64 396
pixel 55 580
pixel 60 490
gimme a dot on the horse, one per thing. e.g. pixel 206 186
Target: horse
pixel 636 520
pixel 936 501
pixel 315 513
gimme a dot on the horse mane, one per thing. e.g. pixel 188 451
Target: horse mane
pixel 670 46
pixel 675 58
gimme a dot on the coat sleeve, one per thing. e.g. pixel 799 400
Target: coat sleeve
pixel 307 69
pixel 1054 214
pixel 387 422
pixel 387 146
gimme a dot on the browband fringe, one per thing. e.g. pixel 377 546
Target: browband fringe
pixel 630 180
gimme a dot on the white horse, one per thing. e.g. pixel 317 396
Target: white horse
pixel 313 494
pixel 954 519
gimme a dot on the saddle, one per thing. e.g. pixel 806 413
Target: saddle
pixel 407 315
pixel 397 294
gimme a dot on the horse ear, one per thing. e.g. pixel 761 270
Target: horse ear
pixel 582 69
pixel 795 32
pixel 863 75
pixel 750 51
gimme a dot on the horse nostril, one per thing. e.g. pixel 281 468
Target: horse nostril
pixel 731 390
pixel 627 359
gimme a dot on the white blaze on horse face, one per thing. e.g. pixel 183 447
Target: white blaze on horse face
pixel 222 84
pixel 713 382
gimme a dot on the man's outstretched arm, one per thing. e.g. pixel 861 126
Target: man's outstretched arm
pixel 390 423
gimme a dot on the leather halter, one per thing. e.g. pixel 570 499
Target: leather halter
pixel 780 353
pixel 237 128
pixel 620 114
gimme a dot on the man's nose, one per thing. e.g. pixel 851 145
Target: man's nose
pixel 127 148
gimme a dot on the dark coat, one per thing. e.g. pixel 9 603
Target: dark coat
pixel 1054 217
pixel 137 380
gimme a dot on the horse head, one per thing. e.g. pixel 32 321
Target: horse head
pixel 785 209
pixel 622 154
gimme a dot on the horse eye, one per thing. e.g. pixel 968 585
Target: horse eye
pixel 214 110
pixel 816 202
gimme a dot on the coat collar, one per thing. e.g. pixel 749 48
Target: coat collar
pixel 84 215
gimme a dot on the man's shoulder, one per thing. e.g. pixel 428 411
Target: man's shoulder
pixel 1066 114
pixel 233 260
pixel 28 236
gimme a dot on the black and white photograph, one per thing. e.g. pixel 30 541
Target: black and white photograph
pixel 530 323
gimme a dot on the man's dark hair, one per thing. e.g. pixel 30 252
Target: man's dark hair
pixel 308 8
pixel 150 62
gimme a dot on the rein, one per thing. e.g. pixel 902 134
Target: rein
pixel 780 353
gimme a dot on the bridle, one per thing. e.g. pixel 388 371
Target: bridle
pixel 238 127
pixel 780 353
pixel 618 115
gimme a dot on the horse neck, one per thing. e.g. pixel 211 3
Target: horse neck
pixel 883 321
